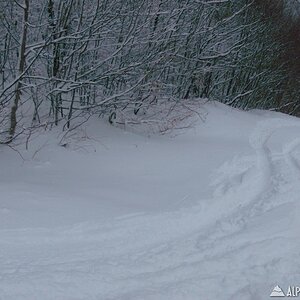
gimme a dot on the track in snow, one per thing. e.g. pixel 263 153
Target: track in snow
pixel 215 250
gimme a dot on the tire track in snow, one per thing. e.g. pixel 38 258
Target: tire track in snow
pixel 244 204
pixel 264 165
pixel 289 158
pixel 129 253
pixel 229 233
pixel 264 157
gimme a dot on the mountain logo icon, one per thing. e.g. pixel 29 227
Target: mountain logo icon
pixel 277 292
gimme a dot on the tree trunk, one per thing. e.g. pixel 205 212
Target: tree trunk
pixel 21 67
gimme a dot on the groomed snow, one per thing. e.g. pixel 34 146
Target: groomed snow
pixel 203 213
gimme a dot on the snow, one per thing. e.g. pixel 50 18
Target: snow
pixel 208 212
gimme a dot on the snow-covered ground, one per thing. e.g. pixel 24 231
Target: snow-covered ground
pixel 204 213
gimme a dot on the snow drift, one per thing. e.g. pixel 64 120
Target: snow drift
pixel 208 212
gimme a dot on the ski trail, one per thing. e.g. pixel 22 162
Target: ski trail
pixel 254 194
pixel 289 158
pixel 265 168
pixel 230 235
pixel 253 186
pixel 162 256
pixel 259 139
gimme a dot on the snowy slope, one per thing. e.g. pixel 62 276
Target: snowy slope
pixel 210 212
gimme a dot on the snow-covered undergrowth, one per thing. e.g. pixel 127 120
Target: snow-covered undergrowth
pixel 209 212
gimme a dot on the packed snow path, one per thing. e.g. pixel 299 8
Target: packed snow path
pixel 237 245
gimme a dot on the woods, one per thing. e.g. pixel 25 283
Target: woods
pixel 63 59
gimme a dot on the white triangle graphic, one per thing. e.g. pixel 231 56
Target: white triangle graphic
pixel 277 292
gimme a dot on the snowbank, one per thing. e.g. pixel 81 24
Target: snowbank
pixel 208 212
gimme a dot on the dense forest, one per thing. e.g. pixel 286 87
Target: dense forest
pixel 60 59
pixel 149 149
